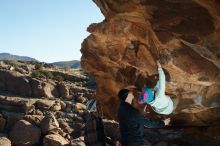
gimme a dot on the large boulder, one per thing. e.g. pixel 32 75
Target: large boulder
pixel 81 99
pixel 44 104
pixel 25 134
pixel 49 124
pixel 79 106
pixel 43 89
pixel 112 129
pixel 16 104
pixel 4 141
pixel 123 49
pixel 12 118
pixel 78 142
pixel 14 82
pixel 57 106
pixel 33 119
pixel 55 140
pixel 63 90
pixel 66 127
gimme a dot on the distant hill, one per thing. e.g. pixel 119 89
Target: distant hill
pixel 71 64
pixel 7 56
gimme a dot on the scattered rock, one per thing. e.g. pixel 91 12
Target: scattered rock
pixel 20 70
pixel 80 106
pixel 69 106
pixel 55 140
pixel 12 118
pixel 15 104
pixel 78 142
pixel 63 90
pixel 49 123
pixel 2 124
pixel 56 107
pixel 43 89
pixel 77 130
pixel 44 104
pixel 66 127
pixel 4 141
pixel 77 118
pixel 22 115
pixel 15 83
pixel 34 119
pixel 63 105
pixel 111 129
pixel 81 99
pixel 26 68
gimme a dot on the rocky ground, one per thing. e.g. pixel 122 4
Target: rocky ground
pixel 41 104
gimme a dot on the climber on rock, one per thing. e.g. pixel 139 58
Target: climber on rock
pixel 155 97
pixel 132 121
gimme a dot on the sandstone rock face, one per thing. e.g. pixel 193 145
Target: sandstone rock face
pixel 185 36
pixel 25 134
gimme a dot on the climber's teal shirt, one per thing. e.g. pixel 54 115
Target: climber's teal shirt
pixel 162 103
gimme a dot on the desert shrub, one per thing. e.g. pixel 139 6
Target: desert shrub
pixel 36 74
pixel 59 78
pixel 10 62
pixel 66 68
pixel 39 73
pixel 38 66
pixel 48 74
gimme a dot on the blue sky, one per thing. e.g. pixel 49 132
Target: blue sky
pixel 47 30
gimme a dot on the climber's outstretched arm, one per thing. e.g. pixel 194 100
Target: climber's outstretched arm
pixel 161 90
